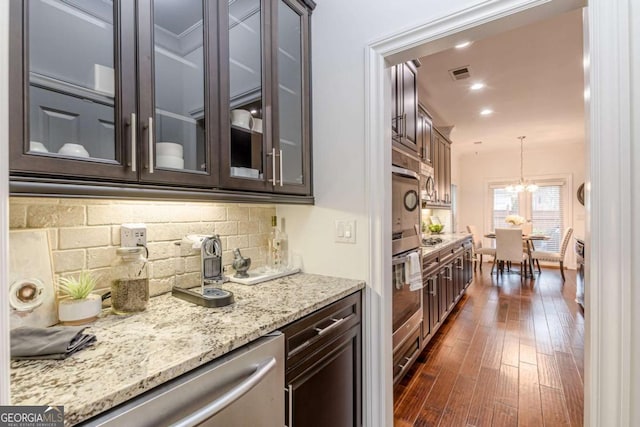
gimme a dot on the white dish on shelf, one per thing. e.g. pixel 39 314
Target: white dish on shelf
pixel 75 150
pixel 245 172
pixel 37 147
pixel 170 162
pixel 241 118
pixel 257 125
pixel 262 275
pixel 169 149
pixel 104 79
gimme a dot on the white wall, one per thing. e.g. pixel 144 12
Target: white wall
pixel 474 170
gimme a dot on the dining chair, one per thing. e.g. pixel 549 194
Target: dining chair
pixel 509 249
pixel 478 250
pixel 538 256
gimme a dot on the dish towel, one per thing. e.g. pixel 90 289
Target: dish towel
pixel 58 342
pixel 412 273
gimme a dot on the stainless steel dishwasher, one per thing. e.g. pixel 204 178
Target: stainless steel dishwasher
pixel 242 388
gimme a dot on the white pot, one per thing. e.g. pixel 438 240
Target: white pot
pixel 79 311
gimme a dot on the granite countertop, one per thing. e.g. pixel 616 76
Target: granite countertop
pixel 447 239
pixel 138 352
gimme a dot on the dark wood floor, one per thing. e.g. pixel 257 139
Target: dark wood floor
pixel 510 354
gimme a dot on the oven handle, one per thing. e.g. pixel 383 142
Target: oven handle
pixel 399 259
pixel 404 172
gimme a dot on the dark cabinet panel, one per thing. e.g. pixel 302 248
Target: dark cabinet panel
pixel 425 135
pixel 323 368
pixel 404 119
pixel 70 87
pixel 441 159
pixel 325 394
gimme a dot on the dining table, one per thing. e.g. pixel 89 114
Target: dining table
pixel 529 240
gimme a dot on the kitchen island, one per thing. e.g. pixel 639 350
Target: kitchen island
pixel 138 352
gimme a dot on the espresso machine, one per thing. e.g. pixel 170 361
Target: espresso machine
pixel 201 287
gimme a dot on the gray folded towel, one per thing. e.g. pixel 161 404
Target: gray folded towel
pixel 58 342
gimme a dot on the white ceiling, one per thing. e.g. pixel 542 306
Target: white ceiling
pixel 534 83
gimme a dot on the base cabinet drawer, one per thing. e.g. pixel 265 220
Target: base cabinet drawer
pixel 324 367
pixel 406 356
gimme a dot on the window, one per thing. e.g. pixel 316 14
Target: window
pixel 546 215
pixel 504 203
pixel 544 208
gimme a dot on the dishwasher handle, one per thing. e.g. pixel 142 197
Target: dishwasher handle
pixel 261 371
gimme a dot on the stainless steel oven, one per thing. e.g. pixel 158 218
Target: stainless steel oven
pixel 407 304
pixel 405 210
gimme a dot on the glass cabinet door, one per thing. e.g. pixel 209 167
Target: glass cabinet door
pixel 244 156
pixel 71 92
pixel 292 91
pixel 176 125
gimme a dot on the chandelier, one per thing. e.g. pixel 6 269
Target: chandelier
pixel 522 185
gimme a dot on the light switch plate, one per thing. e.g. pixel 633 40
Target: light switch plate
pixel 345 231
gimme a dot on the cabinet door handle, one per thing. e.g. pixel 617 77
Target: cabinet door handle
pixel 273 166
pixel 404 125
pixel 281 170
pixel 134 143
pixel 335 324
pixel 150 134
pixel 290 420
pixel 208 411
pixel 434 289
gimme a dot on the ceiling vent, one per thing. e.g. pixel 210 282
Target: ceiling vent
pixel 460 73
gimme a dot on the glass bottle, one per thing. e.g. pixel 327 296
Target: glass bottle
pixel 274 255
pixel 130 287
pixel 284 246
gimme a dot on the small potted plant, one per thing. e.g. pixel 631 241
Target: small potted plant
pixel 78 305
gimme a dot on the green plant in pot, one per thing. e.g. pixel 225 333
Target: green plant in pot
pixel 78 304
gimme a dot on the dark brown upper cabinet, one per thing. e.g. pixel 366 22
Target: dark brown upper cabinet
pixel 140 95
pixel 424 135
pixel 97 91
pixel 404 113
pixel 266 121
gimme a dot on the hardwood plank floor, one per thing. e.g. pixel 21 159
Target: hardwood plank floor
pixel 510 354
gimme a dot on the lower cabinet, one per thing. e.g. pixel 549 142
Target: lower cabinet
pixel 467 262
pixel 323 367
pixel 445 276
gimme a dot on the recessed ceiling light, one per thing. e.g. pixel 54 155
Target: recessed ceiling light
pixel 477 86
pixel 462 45
pixel 486 112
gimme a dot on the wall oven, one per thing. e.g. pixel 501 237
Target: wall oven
pixel 405 210
pixel 406 303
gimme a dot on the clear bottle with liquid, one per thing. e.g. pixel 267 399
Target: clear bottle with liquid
pixel 277 255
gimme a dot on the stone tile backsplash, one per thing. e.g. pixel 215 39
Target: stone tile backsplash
pixel 84 233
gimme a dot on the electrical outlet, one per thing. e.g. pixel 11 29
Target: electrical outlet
pixel 133 235
pixel 345 231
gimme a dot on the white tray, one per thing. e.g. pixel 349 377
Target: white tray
pixel 259 276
